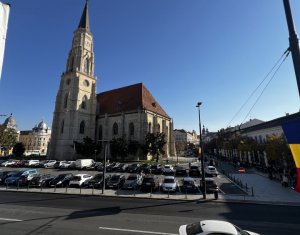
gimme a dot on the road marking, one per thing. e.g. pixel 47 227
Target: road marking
pixel 15 220
pixel 135 231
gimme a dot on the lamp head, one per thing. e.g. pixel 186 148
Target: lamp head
pixel 198 104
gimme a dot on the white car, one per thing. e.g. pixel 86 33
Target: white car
pixel 168 170
pixel 49 163
pixel 169 184
pixel 66 164
pixel 211 170
pixel 80 180
pixel 206 227
pixel 8 163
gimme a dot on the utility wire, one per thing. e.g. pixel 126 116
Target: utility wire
pixel 287 54
pixel 253 92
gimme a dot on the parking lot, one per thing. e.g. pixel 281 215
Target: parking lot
pixel 225 185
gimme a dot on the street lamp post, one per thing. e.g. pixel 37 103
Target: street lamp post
pixel 201 154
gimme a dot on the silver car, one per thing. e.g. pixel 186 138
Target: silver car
pixel 169 184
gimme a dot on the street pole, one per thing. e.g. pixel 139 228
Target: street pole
pixel 294 41
pixel 201 154
pixel 104 166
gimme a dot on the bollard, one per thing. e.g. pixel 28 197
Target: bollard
pixel 185 194
pixel 246 187
pixel 28 186
pixel 80 188
pixel 252 192
pixel 216 193
pixel 6 185
pixel 66 188
pixel 168 193
pixel 41 187
pixel 151 192
pixel 55 188
pixel 134 190
pixel 93 190
pixel 18 185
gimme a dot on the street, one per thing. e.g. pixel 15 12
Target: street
pixel 34 213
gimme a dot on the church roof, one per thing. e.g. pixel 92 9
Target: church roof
pixel 126 99
pixel 85 21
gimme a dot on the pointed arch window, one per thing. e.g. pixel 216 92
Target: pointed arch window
pixel 149 127
pixel 115 129
pixel 62 126
pixel 158 128
pixel 66 100
pixel 83 102
pixel 82 127
pixel 131 129
pixel 86 66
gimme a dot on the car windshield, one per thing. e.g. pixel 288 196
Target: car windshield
pixel 169 181
pixel 188 182
pixel 193 229
pixel 131 177
pixel 76 178
pixel 115 177
pixel 60 177
pixel 240 231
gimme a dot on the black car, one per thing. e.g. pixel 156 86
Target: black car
pixel 145 168
pixel 211 185
pixel 189 185
pixel 134 168
pixel 6 174
pixel 116 181
pixel 156 169
pixel 97 181
pixel 194 171
pixel 150 183
pixel 61 180
pixel 41 180
pixel 181 171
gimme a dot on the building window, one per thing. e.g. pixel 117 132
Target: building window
pixel 86 66
pixel 83 103
pixel 66 100
pixel 149 127
pixel 81 128
pixel 158 128
pixel 131 129
pixel 100 136
pixel 115 129
pixel 62 126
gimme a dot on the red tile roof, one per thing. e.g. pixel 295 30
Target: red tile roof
pixel 126 99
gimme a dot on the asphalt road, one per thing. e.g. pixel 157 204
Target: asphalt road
pixel 34 213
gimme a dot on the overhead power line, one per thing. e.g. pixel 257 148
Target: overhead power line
pixel 286 53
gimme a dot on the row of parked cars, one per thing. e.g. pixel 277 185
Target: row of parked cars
pixel 134 181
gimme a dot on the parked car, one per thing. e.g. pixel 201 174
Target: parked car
pixel 181 171
pixel 189 185
pixel 134 168
pixel 14 179
pixel 97 180
pixel 156 169
pixel 65 164
pixel 83 163
pixel 205 227
pixel 194 170
pixel 8 163
pixel 25 179
pixel 61 180
pixel 41 180
pixel 211 185
pixel 211 171
pixel 116 181
pixel 80 180
pixel 5 174
pixel 50 163
pixel 133 181
pixel 32 163
pixel 20 163
pixel 150 183
pixel 145 168
pixel 168 170
pixel 169 184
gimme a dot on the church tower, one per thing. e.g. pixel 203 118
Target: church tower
pixel 75 107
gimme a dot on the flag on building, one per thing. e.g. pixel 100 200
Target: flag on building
pixel 292 132
pixel 4 14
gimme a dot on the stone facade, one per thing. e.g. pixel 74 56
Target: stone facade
pixel 36 141
pixel 80 112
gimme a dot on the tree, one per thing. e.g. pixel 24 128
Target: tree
pixel 155 143
pixel 18 149
pixel 8 137
pixel 133 147
pixel 87 148
pixel 119 147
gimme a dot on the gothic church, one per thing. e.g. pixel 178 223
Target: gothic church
pixel 129 112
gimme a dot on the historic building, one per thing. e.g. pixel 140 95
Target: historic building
pixel 129 112
pixel 36 140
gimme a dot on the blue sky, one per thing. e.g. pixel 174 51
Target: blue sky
pixel 184 51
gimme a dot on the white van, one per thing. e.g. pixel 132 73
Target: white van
pixel 83 163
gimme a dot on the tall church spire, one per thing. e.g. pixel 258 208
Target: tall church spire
pixel 85 21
